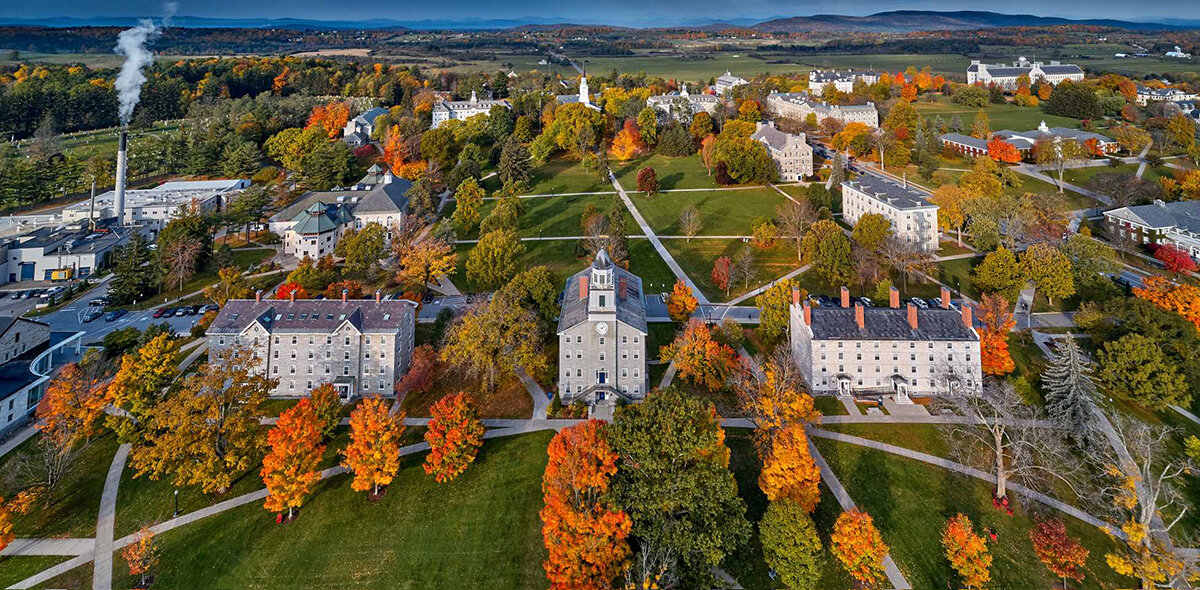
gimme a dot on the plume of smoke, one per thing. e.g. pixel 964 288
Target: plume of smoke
pixel 132 43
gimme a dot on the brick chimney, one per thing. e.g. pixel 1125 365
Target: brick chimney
pixel 345 295
pixel 795 295
pixel 945 298
pixel 912 316
pixel 845 297
pixel 859 318
pixel 292 296
pixel 966 315
pixel 258 295
pixel 894 297
pixel 583 284
pixel 378 296
pixel 807 314
pixel 622 287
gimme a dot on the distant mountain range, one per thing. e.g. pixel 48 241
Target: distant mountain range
pixel 897 21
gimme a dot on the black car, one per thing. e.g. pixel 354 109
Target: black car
pixel 92 314
pixel 193 309
pixel 826 301
pixel 114 315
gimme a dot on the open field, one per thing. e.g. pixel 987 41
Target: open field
pixel 559 175
pixel 13 569
pixel 1002 116
pixel 722 213
pixel 480 531
pixel 672 173
pixel 696 259
pixel 75 501
pixel 690 67
pixel 92 60
pixel 950 65
pixel 560 257
pixel 552 216
pixel 910 502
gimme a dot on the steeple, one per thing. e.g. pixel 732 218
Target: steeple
pixel 601 283
pixel 583 90
pixel 473 98
pixel 683 92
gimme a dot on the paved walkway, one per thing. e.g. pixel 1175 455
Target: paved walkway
pixel 540 402
pixel 894 575
pixel 654 241
pixel 17 438
pixel 760 290
pixel 668 376
pixel 102 566
pixel 959 468
pixel 74 547
pixel 1033 172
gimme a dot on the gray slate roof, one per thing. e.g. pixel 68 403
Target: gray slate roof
pixel 967 140
pixel 1057 70
pixel 1184 215
pixel 631 310
pixel 775 138
pixel 885 323
pixel 889 191
pixel 374 197
pixel 308 316
pixel 368 116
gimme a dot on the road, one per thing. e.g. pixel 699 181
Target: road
pixel 70 319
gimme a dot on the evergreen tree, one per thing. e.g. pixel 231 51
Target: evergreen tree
pixel 514 163
pixel 618 235
pixel 133 276
pixel 956 124
pixel 1070 393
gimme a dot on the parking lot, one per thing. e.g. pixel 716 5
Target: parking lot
pixel 72 318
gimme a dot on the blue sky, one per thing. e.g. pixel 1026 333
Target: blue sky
pixel 640 12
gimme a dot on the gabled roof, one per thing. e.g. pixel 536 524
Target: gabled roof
pixel 1184 215
pixel 630 310
pixel 362 199
pixel 1058 70
pixel 368 116
pixel 775 138
pixel 314 316
pixel 885 323
pixel 320 217
pixel 7 322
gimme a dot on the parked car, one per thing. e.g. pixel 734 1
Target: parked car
pixel 825 301
pixel 91 314
pixel 193 309
pixel 158 313
pixel 3 294
pixel 920 303
pixel 99 301
pixel 866 302
pixel 114 315
pixel 210 307
pixel 427 297
pixel 180 312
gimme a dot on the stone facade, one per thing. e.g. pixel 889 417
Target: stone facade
pixel 913 217
pixel 20 335
pixel 790 152
pixel 842 80
pixel 799 106
pixel 885 350
pixel 362 346
pixel 602 336
pixel 463 109
pixel 1006 76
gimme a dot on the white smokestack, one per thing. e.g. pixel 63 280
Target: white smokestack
pixel 119 196
pixel 132 44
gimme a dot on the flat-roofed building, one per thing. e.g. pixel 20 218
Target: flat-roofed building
pixel 361 346
pixel 913 216
pixel 856 350
pixel 151 208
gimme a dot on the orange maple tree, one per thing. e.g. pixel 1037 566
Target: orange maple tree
pixel 908 93
pixel 1061 554
pixel 331 117
pixel 967 551
pixel 1002 151
pixel 286 291
pixel 327 405
pixel 628 142
pixel 6 525
pixel 773 403
pixel 1093 147
pixel 290 468
pixel 1181 299
pixel 454 436
pixel 788 469
pixel 722 274
pixel 396 151
pixel 353 289
pixel 141 555
pixel 681 303
pixel 374 450
pixel 997 319
pixel 859 546
pixel 584 533
pixel 70 410
pixel 699 357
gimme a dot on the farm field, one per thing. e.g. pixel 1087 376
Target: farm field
pixel 1002 116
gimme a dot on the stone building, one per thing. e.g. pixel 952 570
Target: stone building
pixel 682 106
pixel 1006 76
pixel 463 109
pixel 798 106
pixel 863 351
pixel 583 97
pixel 602 336
pixel 913 217
pixel 361 346
pixel 842 80
pixel 791 154
pixel 725 84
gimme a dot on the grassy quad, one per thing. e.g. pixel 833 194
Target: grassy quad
pixel 13 569
pixel 1002 116
pixel 910 502
pixel 557 176
pixel 722 212
pixel 480 531
pixel 551 216
pixel 673 173
pixel 75 503
pixel 696 259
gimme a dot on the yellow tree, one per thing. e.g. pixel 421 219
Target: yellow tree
pixel 682 303
pixel 789 471
pixel 231 284
pixel 6 525
pixel 775 402
pixel 952 208
pixel 859 546
pixel 141 555
pixel 140 383
pixel 425 262
pixel 967 551
pixel 374 450
pixel 208 432
pixel 291 467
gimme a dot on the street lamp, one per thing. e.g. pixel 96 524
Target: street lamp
pixel 176 495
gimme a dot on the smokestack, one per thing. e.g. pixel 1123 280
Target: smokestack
pixel 119 197
pixel 92 207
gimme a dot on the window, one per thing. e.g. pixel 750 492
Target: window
pixel 601 301
pixel 310 355
pixel 366 339
pixel 347 341
pixel 578 339
pixel 222 341
pixel 382 384
pixel 579 372
pixel 328 354
pixel 345 370
pixel 310 338
pixel 347 353
pixel 329 340
pixel 291 384
pixel 293 340
pixel 310 385
pixel 292 370
pixel 624 373
pixel 624 339
pixel 293 355
pixel 602 341
pixel 602 355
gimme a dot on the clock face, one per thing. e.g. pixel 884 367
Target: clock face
pixel 602 328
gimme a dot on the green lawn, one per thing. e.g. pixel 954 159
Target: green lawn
pixel 693 66
pixel 645 262
pixel 672 173
pixel 722 213
pixel 1081 176
pixel 559 175
pixel 830 406
pixel 1002 116
pixel 13 569
pixel 480 531
pixel 938 63
pixel 661 334
pixel 243 259
pixel 910 502
pixel 559 256
pixel 75 504
pixel 957 274
pixel 697 258
pixel 552 216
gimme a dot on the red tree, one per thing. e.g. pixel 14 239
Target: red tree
pixel 454 436
pixel 721 274
pixel 1175 259
pixel 289 289
pixel 1063 556
pixel 997 320
pixel 647 181
pixel 421 371
pixel 584 533
pixel 1002 151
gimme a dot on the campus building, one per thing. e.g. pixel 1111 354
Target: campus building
pixel 798 106
pixel 1157 224
pixel 313 224
pixel 866 351
pixel 842 80
pixel 913 217
pixel 1006 76
pixel 361 346
pixel 725 84
pixel 150 209
pixel 463 109
pixel 1147 95
pixel 681 106
pixel 1024 141
pixel 602 336
pixel 791 154
pixel 59 253
pixel 583 97
pixel 29 352
pixel 358 130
